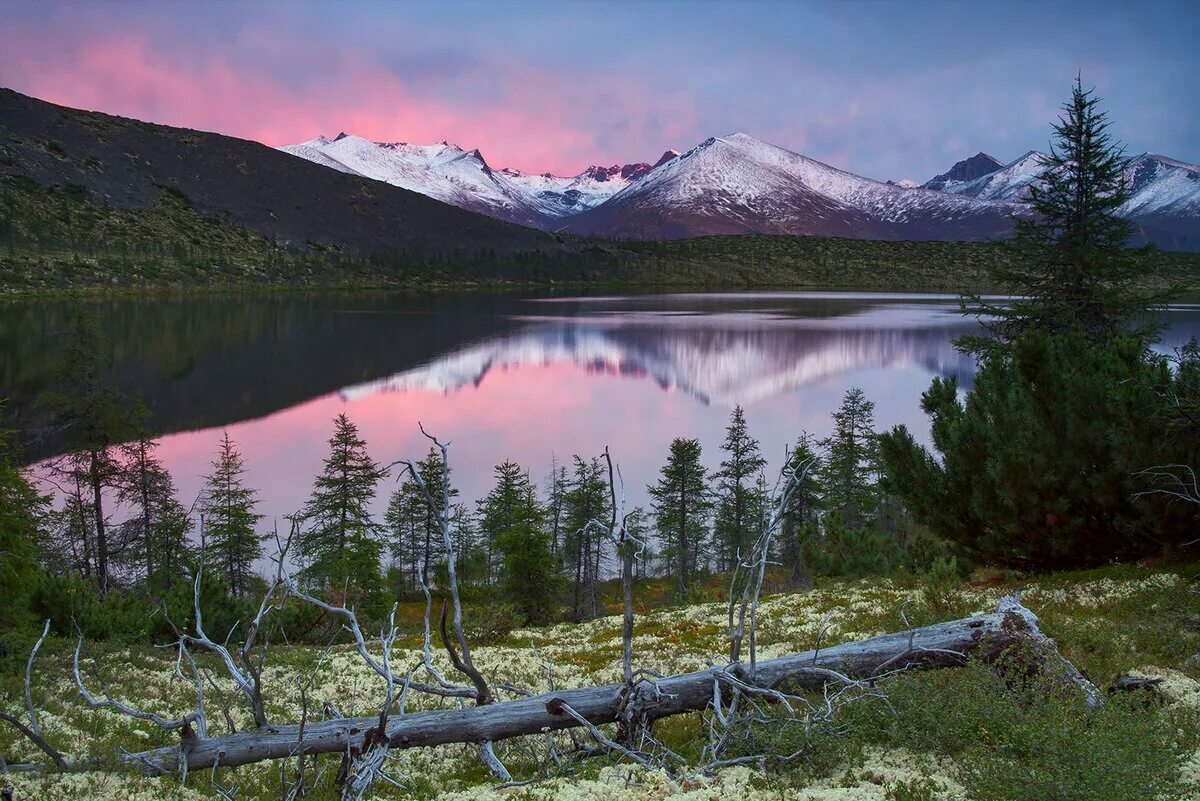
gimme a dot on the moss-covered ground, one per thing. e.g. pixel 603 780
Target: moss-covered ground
pixel 954 734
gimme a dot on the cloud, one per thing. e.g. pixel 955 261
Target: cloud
pixel 517 115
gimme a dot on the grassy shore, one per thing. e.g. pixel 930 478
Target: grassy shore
pixel 962 734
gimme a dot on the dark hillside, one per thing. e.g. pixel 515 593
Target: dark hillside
pixel 301 206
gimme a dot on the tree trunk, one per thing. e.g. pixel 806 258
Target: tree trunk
pixel 941 645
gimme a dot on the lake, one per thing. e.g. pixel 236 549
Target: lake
pixel 529 377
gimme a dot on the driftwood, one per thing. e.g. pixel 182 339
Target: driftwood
pixel 941 645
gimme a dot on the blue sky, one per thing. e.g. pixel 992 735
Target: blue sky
pixel 888 90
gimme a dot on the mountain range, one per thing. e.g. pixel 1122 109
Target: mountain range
pixel 437 204
pixel 739 184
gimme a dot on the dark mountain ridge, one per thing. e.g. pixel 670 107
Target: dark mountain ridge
pixel 301 205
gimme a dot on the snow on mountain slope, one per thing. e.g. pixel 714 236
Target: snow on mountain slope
pixel 463 178
pixel 563 196
pixel 1165 201
pixel 442 171
pixel 740 184
pixel 1159 185
pixel 1010 182
pixel 1164 195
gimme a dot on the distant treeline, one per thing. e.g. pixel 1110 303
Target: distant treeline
pixel 55 240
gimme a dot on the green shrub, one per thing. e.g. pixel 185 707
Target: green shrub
pixel 941 585
pixel 1032 741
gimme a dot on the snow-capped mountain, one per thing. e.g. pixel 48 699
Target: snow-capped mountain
pixel 442 171
pixel 562 197
pixel 963 172
pixel 739 184
pixel 463 178
pixel 1006 182
pixel 1164 195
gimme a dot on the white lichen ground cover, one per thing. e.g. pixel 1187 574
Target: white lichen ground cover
pixel 1106 623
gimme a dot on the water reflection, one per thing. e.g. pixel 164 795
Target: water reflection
pixel 504 376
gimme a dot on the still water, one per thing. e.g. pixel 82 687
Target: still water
pixel 504 376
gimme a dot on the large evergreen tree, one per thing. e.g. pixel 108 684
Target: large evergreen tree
pixel 738 498
pixel 229 519
pixel 682 505
pixel 850 467
pixel 513 519
pixel 338 537
pixel 1072 267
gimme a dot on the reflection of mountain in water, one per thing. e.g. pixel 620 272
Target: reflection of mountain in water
pixel 713 359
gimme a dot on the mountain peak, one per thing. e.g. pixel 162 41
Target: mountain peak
pixel 342 135
pixel 665 157
pixel 968 169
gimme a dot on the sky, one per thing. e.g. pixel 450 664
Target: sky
pixel 889 90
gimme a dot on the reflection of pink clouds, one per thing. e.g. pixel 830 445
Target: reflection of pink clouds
pixel 528 414
pixel 532 120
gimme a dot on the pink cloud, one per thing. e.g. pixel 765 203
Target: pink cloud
pixel 517 115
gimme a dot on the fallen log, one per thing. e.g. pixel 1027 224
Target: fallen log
pixel 985 637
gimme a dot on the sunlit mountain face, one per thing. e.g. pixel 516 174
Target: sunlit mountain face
pixel 504 376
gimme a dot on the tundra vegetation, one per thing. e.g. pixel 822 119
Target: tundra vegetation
pixel 861 625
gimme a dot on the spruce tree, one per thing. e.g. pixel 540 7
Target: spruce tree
pixel 850 467
pixel 229 519
pixel 738 500
pixel 338 537
pixel 587 499
pixel 556 506
pixel 23 515
pixel 402 521
pixel 415 524
pixel 94 418
pixel 802 513
pixel 681 508
pixel 158 530
pixel 1071 267
pixel 513 520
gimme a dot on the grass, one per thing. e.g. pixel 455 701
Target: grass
pixel 956 734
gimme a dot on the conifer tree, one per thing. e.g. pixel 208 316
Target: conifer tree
pixel 556 506
pixel 637 525
pixel 1072 268
pixel 681 508
pixel 402 520
pixel 587 499
pixel 513 520
pixel 415 524
pixel 801 514
pixel 738 501
pixel 228 524
pixel 23 514
pixel 338 538
pixel 94 418
pixel 851 465
pixel 158 530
